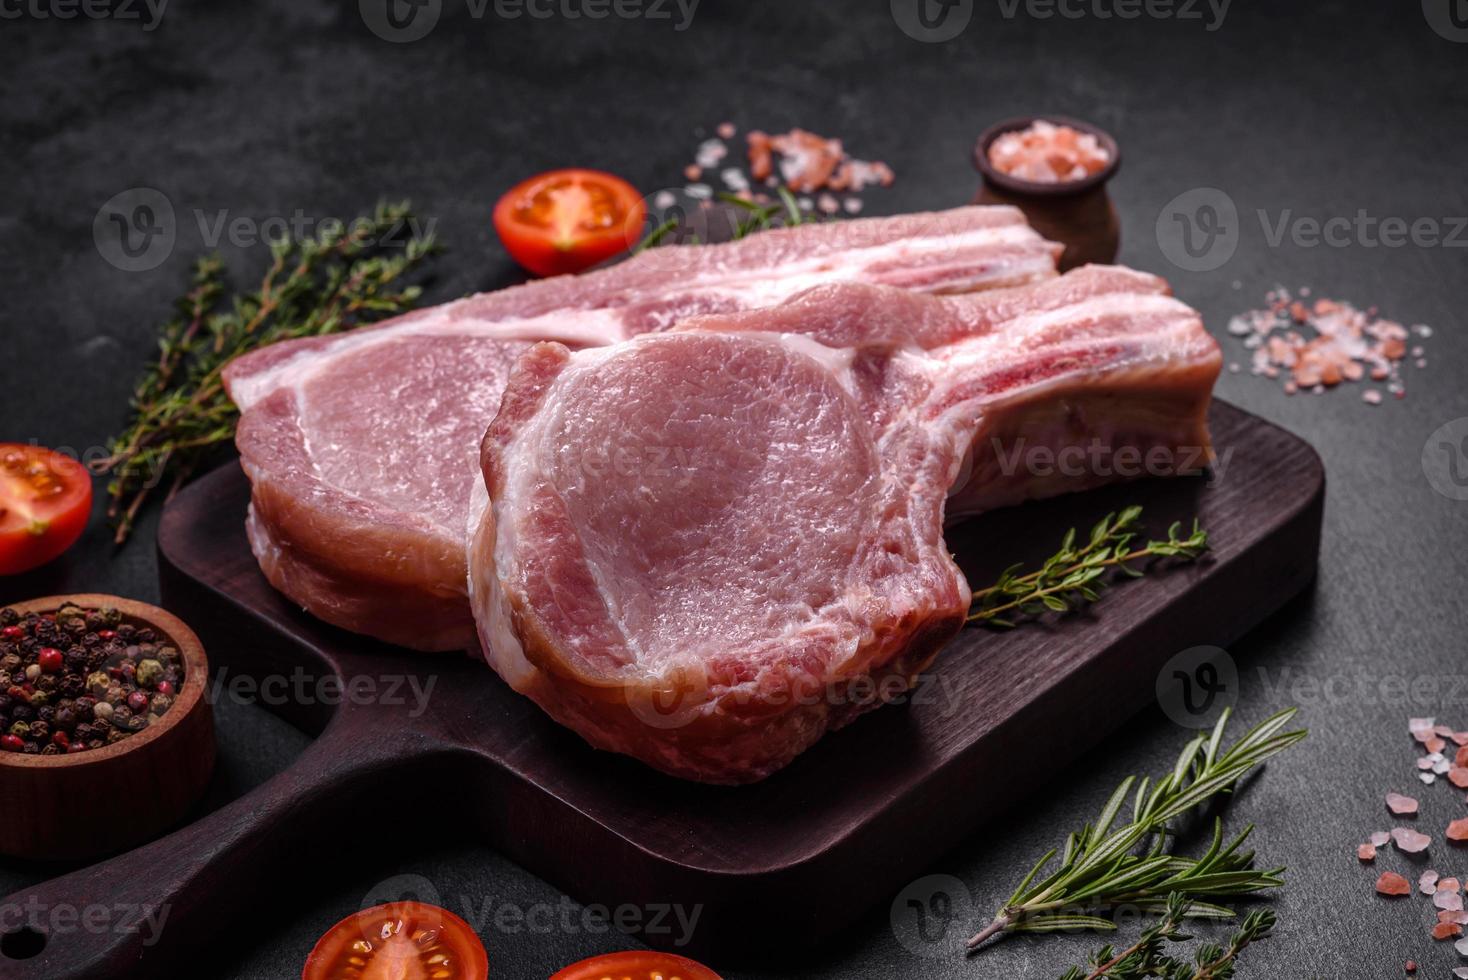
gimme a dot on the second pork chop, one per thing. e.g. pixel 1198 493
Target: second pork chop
pixel 703 543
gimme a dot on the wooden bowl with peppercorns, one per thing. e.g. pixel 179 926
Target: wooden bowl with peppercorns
pixel 106 737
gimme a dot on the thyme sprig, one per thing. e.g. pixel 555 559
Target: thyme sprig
pixel 1147 957
pixel 1104 866
pixel 346 275
pixel 754 216
pixel 1073 575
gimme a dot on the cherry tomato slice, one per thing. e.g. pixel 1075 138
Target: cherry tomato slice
pixel 568 220
pixel 45 501
pixel 637 965
pixel 400 941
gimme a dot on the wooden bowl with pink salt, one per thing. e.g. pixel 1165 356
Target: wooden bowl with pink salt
pixel 1055 170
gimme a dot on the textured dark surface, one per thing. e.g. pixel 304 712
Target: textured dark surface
pixel 265 108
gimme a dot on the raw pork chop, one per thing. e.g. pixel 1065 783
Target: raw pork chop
pixel 701 540
pixel 362 447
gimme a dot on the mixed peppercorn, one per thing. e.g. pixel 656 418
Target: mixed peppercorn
pixel 80 679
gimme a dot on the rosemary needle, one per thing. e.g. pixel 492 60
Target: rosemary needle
pixel 1105 865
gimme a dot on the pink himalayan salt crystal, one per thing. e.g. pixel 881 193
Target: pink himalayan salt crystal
pixel 1366 853
pixel 1410 841
pixel 726 130
pixel 1427 882
pixel 1048 153
pixel 1452 901
pixel 1446 930
pixel 1458 830
pixel 1415 725
pixel 1458 776
pixel 1448 884
pixel 1379 838
pixel 1392 884
pixel 1453 915
pixel 1400 805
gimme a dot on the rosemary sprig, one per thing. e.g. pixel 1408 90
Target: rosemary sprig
pixel 1104 867
pixel 1073 575
pixel 343 277
pixel 1147 957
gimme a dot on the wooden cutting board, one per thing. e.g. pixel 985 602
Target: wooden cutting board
pixel 843 828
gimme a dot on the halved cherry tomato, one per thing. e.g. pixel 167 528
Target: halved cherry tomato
pixel 45 501
pixel 569 220
pixel 400 941
pixel 637 965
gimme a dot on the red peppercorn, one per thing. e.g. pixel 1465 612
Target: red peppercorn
pixel 60 740
pixel 18 693
pixel 138 702
pixel 51 660
pixel 12 633
pixel 165 687
pixel 107 634
pixel 11 743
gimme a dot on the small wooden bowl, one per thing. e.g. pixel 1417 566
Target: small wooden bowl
pixel 1076 213
pixel 86 804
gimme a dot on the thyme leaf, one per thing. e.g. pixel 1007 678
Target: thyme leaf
pixel 346 275
pixel 1075 575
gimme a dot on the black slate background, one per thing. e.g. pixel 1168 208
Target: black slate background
pixel 1322 109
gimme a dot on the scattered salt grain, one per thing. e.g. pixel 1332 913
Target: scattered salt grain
pixel 1448 884
pixel 727 130
pixel 1410 841
pixel 1400 805
pixel 1427 778
pixel 1424 763
pixel 1380 838
pixel 852 205
pixel 692 172
pixel 1452 901
pixel 1443 767
pixel 1458 830
pixel 1371 396
pixel 1322 344
pixel 699 192
pixel 1462 947
pixel 1427 882
pixel 663 200
pixel 1392 884
pixel 709 153
pixel 1366 853
pixel 734 179
pixel 1458 776
pixel 1446 930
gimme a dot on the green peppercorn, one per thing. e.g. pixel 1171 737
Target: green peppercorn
pixel 97 683
pixel 150 672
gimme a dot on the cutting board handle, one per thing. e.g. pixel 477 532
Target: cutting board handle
pixel 145 911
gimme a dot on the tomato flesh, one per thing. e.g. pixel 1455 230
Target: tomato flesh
pixel 568 220
pixel 637 965
pixel 45 501
pixel 401 941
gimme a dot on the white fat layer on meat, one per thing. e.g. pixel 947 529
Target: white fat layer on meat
pixel 752 287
